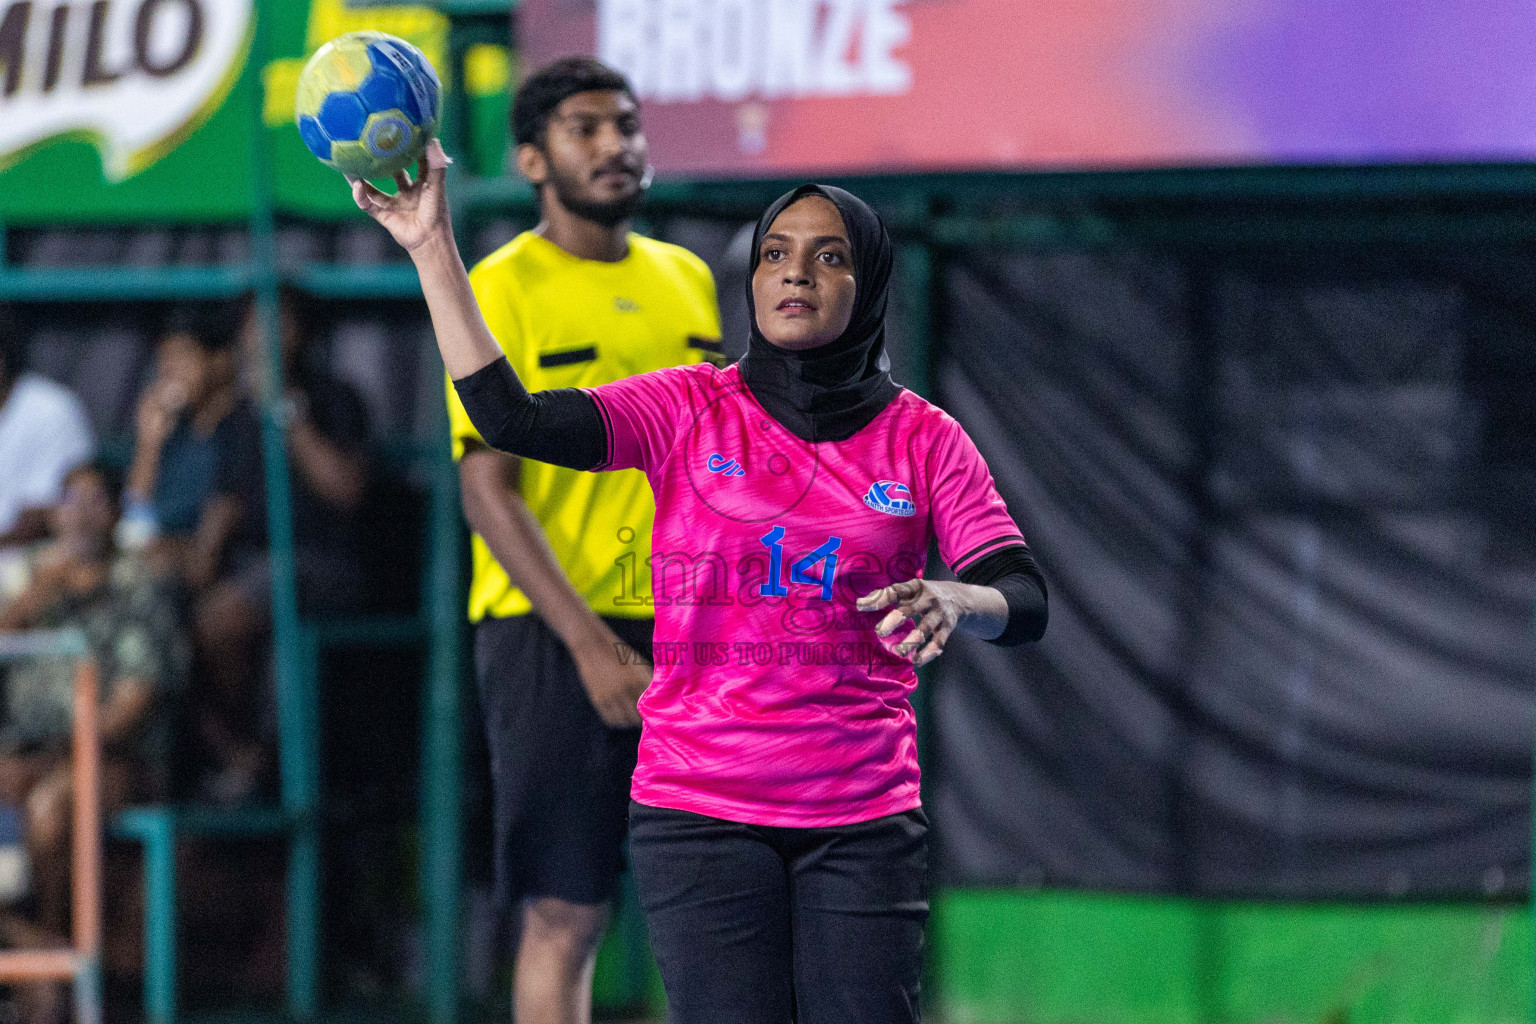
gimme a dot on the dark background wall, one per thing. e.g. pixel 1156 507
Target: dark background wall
pixel 1285 500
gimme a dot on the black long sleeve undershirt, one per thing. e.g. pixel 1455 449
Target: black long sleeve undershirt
pixel 561 426
pixel 1014 571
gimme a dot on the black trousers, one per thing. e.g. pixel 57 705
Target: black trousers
pixel 752 924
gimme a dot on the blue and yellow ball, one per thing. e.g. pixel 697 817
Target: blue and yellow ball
pixel 368 103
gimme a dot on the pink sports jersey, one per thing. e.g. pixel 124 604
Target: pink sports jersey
pixel 773 701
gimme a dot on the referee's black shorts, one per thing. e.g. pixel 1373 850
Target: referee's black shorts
pixel 560 777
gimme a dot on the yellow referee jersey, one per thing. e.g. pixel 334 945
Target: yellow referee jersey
pixel 568 322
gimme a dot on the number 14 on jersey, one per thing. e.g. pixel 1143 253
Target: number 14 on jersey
pixel 801 571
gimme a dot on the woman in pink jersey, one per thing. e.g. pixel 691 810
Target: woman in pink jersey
pixel 776 830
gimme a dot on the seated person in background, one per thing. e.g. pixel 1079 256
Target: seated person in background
pixel 129 620
pixel 328 473
pixel 185 420
pixel 44 433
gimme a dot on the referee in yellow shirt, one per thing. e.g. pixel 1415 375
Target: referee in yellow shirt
pixel 561 581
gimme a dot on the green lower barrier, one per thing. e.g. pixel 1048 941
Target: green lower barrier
pixel 1009 957
pixel 1006 957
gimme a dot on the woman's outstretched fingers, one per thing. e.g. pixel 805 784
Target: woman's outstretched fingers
pixel 912 601
pixel 877 599
pixel 935 646
pixel 888 625
pixel 874 600
pixel 933 615
pixel 905 610
pixel 926 631
pixel 927 654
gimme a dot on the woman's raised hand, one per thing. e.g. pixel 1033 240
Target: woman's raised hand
pixel 417 214
pixel 417 217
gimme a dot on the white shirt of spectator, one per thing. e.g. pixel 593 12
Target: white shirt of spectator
pixel 44 433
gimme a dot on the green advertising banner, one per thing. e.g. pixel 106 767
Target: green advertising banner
pixel 124 109
pixel 145 110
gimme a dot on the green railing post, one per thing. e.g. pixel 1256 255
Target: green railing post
pixel 442 753
pixel 160 924
pixel 293 657
pixel 442 714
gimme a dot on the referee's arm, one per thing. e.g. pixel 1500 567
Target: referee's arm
pixel 488 483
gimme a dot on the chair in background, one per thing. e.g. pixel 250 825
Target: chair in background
pixel 79 962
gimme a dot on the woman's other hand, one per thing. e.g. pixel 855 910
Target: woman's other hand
pixel 936 608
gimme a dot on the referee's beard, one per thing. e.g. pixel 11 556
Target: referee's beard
pixel 609 213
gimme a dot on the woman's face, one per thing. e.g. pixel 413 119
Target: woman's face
pixel 803 287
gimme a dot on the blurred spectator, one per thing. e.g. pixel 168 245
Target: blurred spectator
pixel 186 418
pixel 327 466
pixel 130 624
pixel 44 433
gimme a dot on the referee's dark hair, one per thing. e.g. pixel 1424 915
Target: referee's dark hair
pixel 551 85
pixel 13 350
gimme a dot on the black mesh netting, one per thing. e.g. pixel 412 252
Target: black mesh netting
pixel 1286 510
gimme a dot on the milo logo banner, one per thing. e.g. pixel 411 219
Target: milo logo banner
pixel 123 109
pixel 133 110
pixel 132 76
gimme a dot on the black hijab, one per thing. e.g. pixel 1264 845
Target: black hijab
pixel 831 392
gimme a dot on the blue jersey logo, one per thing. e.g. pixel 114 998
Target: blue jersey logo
pixel 720 464
pixel 890 497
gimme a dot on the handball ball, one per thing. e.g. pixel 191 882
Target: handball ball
pixel 368 103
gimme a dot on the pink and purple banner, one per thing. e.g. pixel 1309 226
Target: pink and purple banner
pixel 767 87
